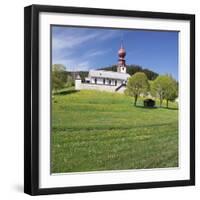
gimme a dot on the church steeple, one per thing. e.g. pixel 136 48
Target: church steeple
pixel 121 60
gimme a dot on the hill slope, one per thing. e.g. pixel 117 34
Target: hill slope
pixel 94 131
pixel 132 69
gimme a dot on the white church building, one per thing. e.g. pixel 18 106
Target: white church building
pixel 106 80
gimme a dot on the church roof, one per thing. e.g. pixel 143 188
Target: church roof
pixel 108 74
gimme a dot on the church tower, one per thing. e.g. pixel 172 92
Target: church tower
pixel 121 61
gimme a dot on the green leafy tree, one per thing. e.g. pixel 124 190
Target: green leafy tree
pixel 164 87
pixel 137 84
pixel 158 88
pixel 58 76
pixel 171 90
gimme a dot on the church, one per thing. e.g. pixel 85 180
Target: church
pixel 106 80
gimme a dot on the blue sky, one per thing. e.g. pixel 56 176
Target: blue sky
pixel 92 48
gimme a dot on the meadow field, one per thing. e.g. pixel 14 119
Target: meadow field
pixel 94 131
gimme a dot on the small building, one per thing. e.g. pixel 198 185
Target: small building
pixel 150 103
pixel 106 80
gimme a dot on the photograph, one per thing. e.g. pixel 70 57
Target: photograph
pixel 109 99
pixel 114 99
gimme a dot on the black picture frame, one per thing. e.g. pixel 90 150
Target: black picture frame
pixel 31 99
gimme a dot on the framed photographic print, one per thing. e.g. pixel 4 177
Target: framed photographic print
pixel 109 100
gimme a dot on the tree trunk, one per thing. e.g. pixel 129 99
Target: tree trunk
pixel 160 102
pixel 167 102
pixel 135 102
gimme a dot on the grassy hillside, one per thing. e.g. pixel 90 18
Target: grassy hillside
pixel 94 131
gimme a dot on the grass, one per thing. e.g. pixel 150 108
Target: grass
pixel 93 131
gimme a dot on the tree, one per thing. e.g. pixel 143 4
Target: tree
pixel 150 74
pixel 158 88
pixel 164 87
pixel 58 76
pixel 171 90
pixel 137 84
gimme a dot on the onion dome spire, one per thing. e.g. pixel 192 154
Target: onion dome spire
pixel 121 54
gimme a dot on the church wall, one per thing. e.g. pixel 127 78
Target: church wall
pixel 119 82
pixel 85 86
pixel 107 88
pixel 112 82
pixel 106 82
pixel 78 84
pixel 92 80
pixel 100 81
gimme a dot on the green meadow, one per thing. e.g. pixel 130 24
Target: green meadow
pixel 94 131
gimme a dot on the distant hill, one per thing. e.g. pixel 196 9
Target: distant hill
pixel 132 69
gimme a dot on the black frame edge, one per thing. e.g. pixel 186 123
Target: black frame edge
pixel 31 99
pixel 192 99
pixel 114 187
pixel 27 99
pixel 111 12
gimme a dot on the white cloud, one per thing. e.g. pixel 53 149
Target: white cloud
pixel 66 44
pixel 96 52
pixel 71 41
